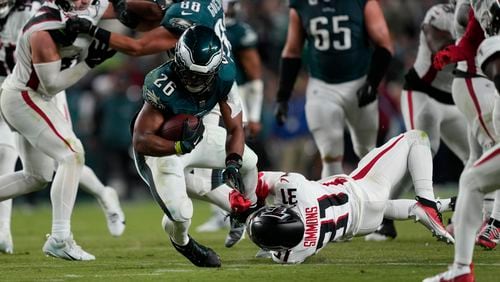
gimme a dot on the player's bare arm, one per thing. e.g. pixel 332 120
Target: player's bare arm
pixel 437 39
pixel 290 65
pixel 376 26
pixel 43 48
pixel 234 126
pixel 144 139
pixel 155 41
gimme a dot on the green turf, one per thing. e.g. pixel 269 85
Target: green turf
pixel 144 253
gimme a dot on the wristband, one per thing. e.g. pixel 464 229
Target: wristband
pixel 289 70
pixel 234 159
pixel 178 147
pixel 381 58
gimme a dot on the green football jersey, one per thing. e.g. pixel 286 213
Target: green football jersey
pixel 336 39
pixel 241 36
pixel 209 13
pixel 163 91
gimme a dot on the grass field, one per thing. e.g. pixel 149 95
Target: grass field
pixel 144 253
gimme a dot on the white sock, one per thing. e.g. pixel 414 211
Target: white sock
pixel 399 209
pixel 61 229
pixel 420 167
pixel 90 183
pixel 178 231
pixel 495 213
pixel 443 205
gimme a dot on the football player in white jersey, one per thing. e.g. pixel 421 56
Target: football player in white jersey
pixel 16 14
pixel 44 134
pixel 426 101
pixel 484 175
pixel 309 214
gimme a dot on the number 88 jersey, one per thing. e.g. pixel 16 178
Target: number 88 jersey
pixel 337 43
pixel 325 209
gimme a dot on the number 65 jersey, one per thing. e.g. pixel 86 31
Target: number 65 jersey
pixel 328 210
pixel 337 41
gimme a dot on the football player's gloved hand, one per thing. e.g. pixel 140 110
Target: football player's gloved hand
pixel 98 52
pixel 80 25
pixel 366 94
pixel 238 202
pixel 190 137
pixel 231 175
pixel 281 112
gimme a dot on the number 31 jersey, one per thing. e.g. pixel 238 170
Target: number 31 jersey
pixel 325 208
pixel 337 42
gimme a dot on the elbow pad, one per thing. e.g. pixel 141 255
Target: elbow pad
pixel 252 93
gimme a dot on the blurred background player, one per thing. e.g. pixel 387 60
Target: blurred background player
pixel 426 101
pixel 342 86
pixel 483 176
pixel 194 82
pixel 17 15
pixel 475 97
pixel 44 134
pixel 243 41
pixel 312 213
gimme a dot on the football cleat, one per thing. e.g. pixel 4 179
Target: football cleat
pixel 6 244
pixel 236 233
pixel 386 231
pixel 198 254
pixel 489 236
pixel 115 217
pixel 215 223
pixel 431 219
pixel 66 249
pixel 263 254
pixel 454 274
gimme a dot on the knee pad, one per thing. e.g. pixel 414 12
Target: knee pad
pixel 181 210
pixel 417 137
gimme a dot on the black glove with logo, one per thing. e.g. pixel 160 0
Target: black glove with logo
pixel 231 175
pixel 281 112
pixel 366 94
pixel 190 137
pixel 75 25
pixel 98 53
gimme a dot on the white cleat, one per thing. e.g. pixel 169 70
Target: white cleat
pixel 6 244
pixel 263 254
pixel 66 249
pixel 115 217
pixel 215 223
pixel 430 219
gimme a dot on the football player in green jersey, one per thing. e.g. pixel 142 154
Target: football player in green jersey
pixel 194 82
pixel 344 72
pixel 243 41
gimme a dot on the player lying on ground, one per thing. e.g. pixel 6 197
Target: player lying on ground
pixel 309 214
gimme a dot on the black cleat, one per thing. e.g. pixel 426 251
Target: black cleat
pixel 198 254
pixel 384 232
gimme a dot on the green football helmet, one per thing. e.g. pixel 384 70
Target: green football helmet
pixel 198 56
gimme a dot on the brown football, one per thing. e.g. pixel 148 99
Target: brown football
pixel 172 128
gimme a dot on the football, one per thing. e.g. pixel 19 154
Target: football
pixel 172 128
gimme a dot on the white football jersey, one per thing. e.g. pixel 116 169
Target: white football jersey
pixel 50 17
pixel 10 33
pixel 325 208
pixel 440 16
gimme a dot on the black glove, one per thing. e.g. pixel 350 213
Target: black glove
pixel 366 94
pixel 281 112
pixel 80 25
pixel 98 53
pixel 231 175
pixel 241 217
pixel 190 137
pixel 126 17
